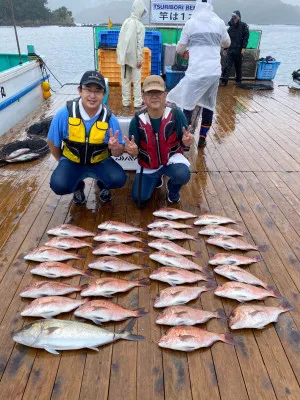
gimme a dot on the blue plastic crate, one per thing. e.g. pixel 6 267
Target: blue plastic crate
pixel 267 70
pixel 173 77
pixel 108 38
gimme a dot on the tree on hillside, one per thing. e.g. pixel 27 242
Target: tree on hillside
pixel 64 15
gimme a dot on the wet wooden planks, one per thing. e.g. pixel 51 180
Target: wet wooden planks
pixel 250 171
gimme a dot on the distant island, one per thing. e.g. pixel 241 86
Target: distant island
pixel 34 13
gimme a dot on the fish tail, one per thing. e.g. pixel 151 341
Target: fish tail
pixel 88 273
pixel 83 287
pixel 197 254
pixel 228 338
pixel 275 292
pixel 287 305
pixel 143 241
pixel 140 312
pixel 78 256
pixel 127 334
pixel 258 258
pixel 145 266
pixel 143 282
pixel 145 250
pixel 210 286
pixel 220 313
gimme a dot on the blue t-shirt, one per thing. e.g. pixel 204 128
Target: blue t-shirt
pixel 59 127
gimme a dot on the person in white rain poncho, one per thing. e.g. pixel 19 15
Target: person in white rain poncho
pixel 130 53
pixel 204 35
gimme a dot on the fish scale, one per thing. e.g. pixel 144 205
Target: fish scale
pixel 180 295
pixel 167 245
pixel 50 306
pixel 184 315
pixel 115 249
pixel 44 254
pixel 230 243
pixel 173 213
pixel 175 260
pixel 243 292
pixel 176 276
pixel 232 259
pixel 171 234
pixel 118 237
pixel 240 275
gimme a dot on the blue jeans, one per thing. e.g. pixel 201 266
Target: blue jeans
pixel 67 176
pixel 179 175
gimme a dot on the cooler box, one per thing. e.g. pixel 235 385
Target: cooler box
pixel 173 77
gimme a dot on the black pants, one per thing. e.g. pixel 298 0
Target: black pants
pixel 233 57
pixel 207 116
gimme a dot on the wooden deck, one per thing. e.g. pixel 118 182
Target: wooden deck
pixel 250 171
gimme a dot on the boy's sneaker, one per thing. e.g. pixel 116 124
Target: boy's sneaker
pixel 79 196
pixel 202 142
pixel 159 183
pixel 105 195
pixel 173 198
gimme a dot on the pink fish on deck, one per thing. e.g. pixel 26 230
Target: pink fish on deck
pixel 53 269
pixel 171 234
pixel 114 264
pixel 237 274
pixel 46 288
pixel 118 237
pixel 209 219
pixel 66 243
pixel 115 249
pixel 100 311
pixel 184 315
pixel 179 295
pixel 173 213
pixel 176 276
pixel 176 260
pixel 230 243
pixel 106 287
pixel 70 231
pixel 189 338
pixel 214 230
pixel 167 245
pixel 243 292
pixel 255 316
pixel 232 259
pixel 44 254
pixel 119 226
pixel 50 306
pixel 163 223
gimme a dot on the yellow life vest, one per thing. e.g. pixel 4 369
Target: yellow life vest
pixel 83 148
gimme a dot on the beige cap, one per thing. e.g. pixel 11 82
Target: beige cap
pixel 154 82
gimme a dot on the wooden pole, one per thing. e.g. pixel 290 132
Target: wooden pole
pixel 15 28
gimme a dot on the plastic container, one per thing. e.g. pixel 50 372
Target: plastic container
pixel 267 70
pixel 109 68
pixel 173 77
pixel 108 39
pixel 254 39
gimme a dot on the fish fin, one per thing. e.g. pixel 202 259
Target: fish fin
pixel 220 313
pixel 274 290
pixel 145 250
pixel 126 332
pixel 144 241
pixel 228 338
pixel 172 273
pixel 180 313
pixel 145 266
pixel 93 348
pixel 51 350
pixel 210 285
pixel 140 312
pixel 175 294
pixel 143 282
pixel 186 337
pixel 258 258
pixel 83 287
pixel 197 254
pixel 88 273
pixel 286 305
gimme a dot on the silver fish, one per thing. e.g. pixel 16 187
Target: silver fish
pixel 255 316
pixel 243 292
pixel 239 275
pixel 176 276
pixel 50 306
pixel 44 254
pixel 232 259
pixel 23 157
pixel 179 295
pixel 54 334
pixel 184 315
pixel 173 213
pixel 230 243
pixel 209 219
pixel 175 260
pixel 119 226
pixel 115 249
pixel 66 243
pixel 118 237
pixel 162 223
pixel 114 264
pixel 214 230
pixel 17 153
pixel 70 231
pixel 171 234
pixel 167 245
pixel 46 288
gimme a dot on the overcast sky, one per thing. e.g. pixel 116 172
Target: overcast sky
pixel 294 2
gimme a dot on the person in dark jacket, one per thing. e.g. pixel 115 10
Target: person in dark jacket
pixel 239 35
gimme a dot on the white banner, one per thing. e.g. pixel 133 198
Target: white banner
pixel 171 12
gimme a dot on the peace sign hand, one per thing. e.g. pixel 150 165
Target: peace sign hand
pixel 130 146
pixel 113 139
pixel 188 137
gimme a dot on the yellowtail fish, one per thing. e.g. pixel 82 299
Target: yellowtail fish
pixel 189 338
pixel 57 270
pixel 50 306
pixel 70 231
pixel 232 259
pixel 230 243
pixel 66 243
pixel 173 213
pixel 237 274
pixel 171 234
pixel 115 236
pixel 167 245
pixel 243 292
pixel 55 334
pixel 114 264
pixel 46 288
pixel 163 223
pixel 44 254
pixel 119 226
pixel 208 219
pixel 214 230
pixel 175 260
pixel 179 295
pixel 184 315
pixel 176 276
pixel 115 249
pixel 255 316
pixel 100 311
pixel 107 287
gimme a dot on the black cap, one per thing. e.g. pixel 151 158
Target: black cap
pixel 93 77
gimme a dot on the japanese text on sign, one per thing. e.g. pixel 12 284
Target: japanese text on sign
pixel 171 12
